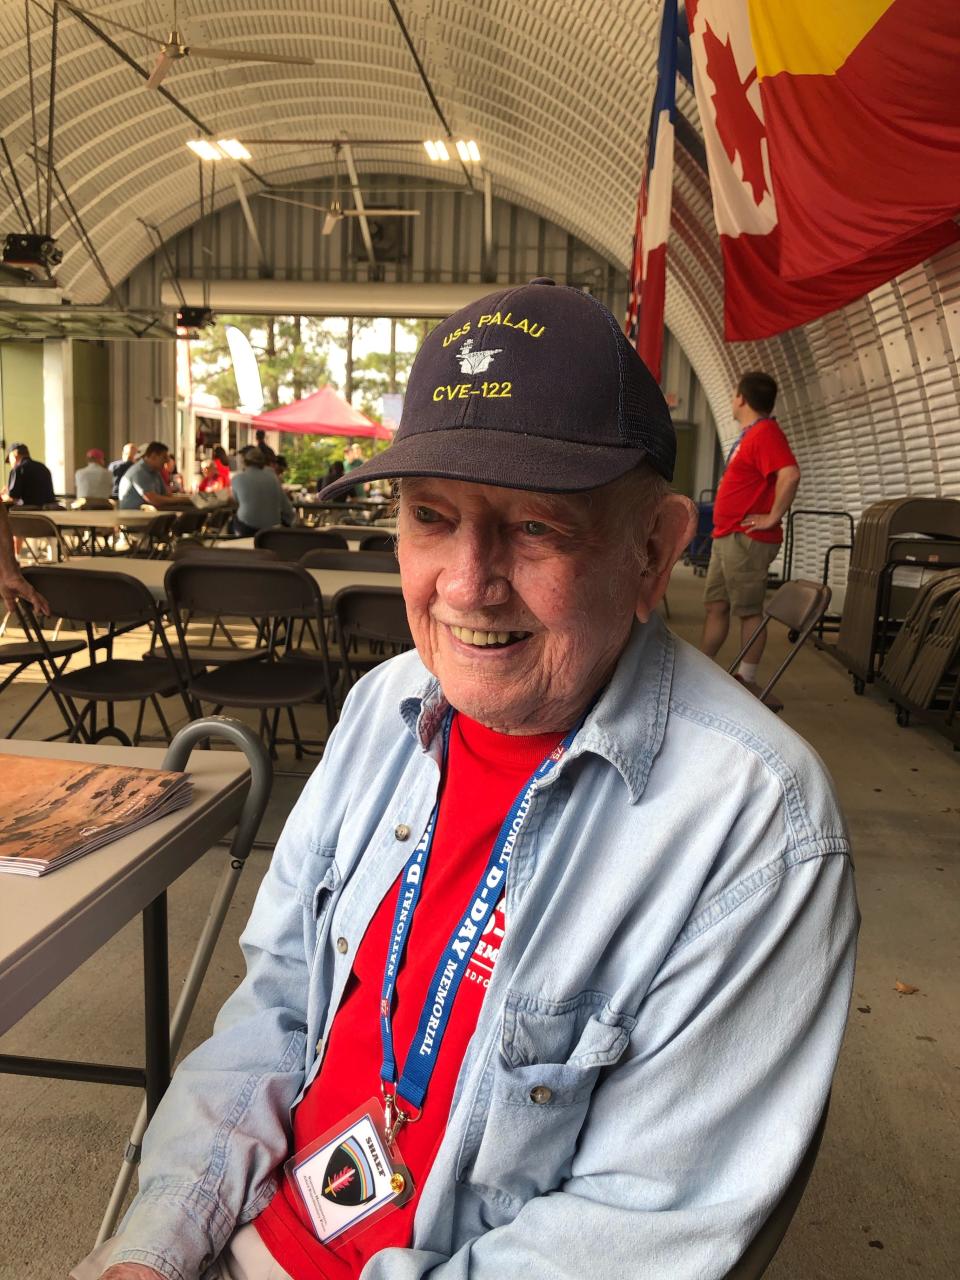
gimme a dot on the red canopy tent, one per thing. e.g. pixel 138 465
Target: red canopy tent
pixel 325 413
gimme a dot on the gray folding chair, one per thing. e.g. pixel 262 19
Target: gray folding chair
pixel 379 542
pixel 376 615
pixel 276 675
pixel 352 561
pixel 34 526
pixel 119 603
pixel 293 544
pixel 798 605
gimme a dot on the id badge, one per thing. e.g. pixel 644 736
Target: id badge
pixel 349 1177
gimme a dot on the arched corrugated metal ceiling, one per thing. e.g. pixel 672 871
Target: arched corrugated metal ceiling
pixel 555 93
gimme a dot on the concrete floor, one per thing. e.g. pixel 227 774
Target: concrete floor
pixel 882 1202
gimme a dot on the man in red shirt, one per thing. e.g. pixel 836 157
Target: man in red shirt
pixel 756 489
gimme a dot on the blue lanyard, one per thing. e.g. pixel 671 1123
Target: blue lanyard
pixel 453 963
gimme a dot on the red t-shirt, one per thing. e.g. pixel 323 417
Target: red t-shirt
pixel 750 479
pixel 484 774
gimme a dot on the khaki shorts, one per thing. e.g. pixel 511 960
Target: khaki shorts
pixel 246 1257
pixel 737 573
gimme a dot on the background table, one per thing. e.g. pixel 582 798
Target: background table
pixel 99 520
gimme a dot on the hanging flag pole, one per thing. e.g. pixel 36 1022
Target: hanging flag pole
pixel 648 274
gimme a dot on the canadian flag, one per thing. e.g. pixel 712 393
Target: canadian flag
pixel 648 276
pixel 759 298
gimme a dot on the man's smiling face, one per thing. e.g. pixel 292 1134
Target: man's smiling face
pixel 519 603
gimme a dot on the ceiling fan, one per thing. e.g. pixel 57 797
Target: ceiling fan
pixel 335 212
pixel 175 49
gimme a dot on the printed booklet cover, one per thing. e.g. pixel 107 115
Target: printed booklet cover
pixel 59 810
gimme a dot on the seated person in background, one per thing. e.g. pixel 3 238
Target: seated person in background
pixel 281 468
pixel 269 456
pixel 261 502
pixel 93 480
pixel 558 941
pixel 120 466
pixel 30 483
pixel 222 465
pixel 144 482
pixel 333 475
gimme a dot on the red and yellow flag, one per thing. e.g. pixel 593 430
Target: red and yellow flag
pixel 861 103
pixel 832 140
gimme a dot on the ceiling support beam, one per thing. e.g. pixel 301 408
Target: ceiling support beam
pixel 16 182
pixel 265 270
pixel 145 75
pixel 358 201
pixel 54 29
pixel 427 85
pixel 488 266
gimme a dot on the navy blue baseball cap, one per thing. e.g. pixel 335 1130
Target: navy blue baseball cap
pixel 533 387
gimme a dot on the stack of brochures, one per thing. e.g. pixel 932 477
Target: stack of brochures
pixel 58 810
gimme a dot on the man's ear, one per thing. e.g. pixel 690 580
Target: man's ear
pixel 673 527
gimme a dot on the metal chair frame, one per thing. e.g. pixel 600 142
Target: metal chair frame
pixel 130 606
pixel 375 614
pixel 275 596
pixel 292 545
pixel 798 605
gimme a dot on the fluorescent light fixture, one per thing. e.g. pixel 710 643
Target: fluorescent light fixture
pixel 205 149
pixel 474 151
pixel 437 151
pixel 468 152
pixel 233 148
pixel 442 150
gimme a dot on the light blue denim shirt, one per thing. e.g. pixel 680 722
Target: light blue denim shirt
pixel 676 970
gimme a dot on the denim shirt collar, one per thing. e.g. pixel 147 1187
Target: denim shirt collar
pixel 625 727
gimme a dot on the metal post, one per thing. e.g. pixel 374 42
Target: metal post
pixel 156 1000
pixel 261 776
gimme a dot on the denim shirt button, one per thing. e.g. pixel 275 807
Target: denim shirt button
pixel 540 1094
pixel 343 946
pixel 402 831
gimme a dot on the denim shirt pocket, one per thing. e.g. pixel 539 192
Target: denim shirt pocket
pixel 536 1090
pixel 319 879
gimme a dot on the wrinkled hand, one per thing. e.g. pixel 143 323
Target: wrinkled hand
pixel 131 1271
pixel 13 584
pixel 762 520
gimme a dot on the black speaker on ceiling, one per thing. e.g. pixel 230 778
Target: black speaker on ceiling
pixel 392 237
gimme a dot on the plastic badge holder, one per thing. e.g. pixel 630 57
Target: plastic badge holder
pixel 350 1177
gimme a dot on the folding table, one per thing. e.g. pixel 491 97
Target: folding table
pixel 50 924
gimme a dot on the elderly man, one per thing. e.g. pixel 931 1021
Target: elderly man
pixel 93 480
pixel 120 466
pixel 549 971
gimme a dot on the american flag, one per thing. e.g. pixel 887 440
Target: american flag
pixel 648 272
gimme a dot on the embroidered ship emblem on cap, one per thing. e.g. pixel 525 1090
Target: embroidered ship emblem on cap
pixel 475 361
pixel 349 1178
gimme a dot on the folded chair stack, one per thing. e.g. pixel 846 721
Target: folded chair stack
pixel 879 528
